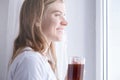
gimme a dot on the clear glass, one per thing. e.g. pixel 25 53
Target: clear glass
pixel 76 68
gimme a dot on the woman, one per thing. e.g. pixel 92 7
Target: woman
pixel 42 22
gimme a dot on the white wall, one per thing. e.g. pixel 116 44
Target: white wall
pixel 3 27
pixel 81 15
pixel 114 40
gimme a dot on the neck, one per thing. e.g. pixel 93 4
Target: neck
pixel 47 49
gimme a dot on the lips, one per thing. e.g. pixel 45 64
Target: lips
pixel 61 29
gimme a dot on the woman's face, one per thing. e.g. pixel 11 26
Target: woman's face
pixel 54 22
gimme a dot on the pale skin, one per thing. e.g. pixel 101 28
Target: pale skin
pixel 54 22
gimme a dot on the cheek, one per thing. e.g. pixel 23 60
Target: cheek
pixel 50 23
pixel 45 24
pixel 48 26
pixel 53 20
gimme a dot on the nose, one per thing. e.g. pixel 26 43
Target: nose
pixel 64 22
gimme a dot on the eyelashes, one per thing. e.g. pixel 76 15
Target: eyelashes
pixel 59 14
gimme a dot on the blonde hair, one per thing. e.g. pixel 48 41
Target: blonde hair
pixel 30 33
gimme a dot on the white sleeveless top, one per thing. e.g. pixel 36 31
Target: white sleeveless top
pixel 30 65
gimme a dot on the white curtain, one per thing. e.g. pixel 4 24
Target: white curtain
pixel 13 22
pixel 12 26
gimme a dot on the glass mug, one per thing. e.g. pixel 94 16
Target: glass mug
pixel 75 68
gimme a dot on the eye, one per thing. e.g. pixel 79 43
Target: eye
pixel 57 14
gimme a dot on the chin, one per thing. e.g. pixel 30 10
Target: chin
pixel 59 39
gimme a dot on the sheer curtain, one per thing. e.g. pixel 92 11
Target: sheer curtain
pixel 12 26
pixel 12 32
pixel 13 22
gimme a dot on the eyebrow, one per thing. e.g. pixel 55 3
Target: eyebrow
pixel 58 11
